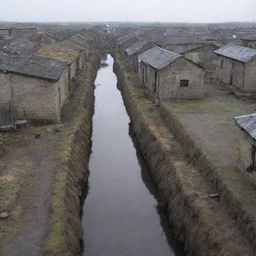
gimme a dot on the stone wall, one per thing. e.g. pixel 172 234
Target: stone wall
pixel 223 70
pixel 245 152
pixel 250 77
pixel 181 70
pixel 40 99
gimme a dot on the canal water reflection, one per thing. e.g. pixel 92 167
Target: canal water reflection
pixel 121 216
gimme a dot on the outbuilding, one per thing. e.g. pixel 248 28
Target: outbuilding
pixel 205 57
pixel 168 75
pixel 236 67
pixel 133 51
pixel 247 150
pixel 62 52
pixel 34 87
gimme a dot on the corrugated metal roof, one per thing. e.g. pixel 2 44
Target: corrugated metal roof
pixel 247 123
pixel 34 66
pixel 158 58
pixel 135 47
pixel 236 52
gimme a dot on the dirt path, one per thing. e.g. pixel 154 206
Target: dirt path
pixel 30 164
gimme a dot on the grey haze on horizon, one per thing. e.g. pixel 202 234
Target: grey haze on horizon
pixel 129 10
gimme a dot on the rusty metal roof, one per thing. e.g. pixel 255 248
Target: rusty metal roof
pixel 247 123
pixel 135 47
pixel 236 52
pixel 158 58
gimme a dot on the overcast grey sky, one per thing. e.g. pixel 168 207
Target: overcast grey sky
pixel 128 10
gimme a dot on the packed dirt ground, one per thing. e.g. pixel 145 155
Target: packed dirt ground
pixel 35 179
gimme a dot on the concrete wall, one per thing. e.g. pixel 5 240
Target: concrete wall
pixel 223 73
pixel 245 152
pixel 170 77
pixel 237 78
pixel 250 77
pixel 40 99
pixel 241 76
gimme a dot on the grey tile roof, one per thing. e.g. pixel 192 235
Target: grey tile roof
pixel 158 58
pixel 21 46
pixel 33 66
pixel 135 47
pixel 3 55
pixel 236 52
pixel 247 123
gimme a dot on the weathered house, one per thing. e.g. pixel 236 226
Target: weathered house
pixel 23 32
pixel 167 75
pixel 64 53
pixel 4 32
pixel 20 46
pixel 3 55
pixel 236 66
pixel 133 51
pixel 247 149
pixel 83 42
pixel 205 57
pixel 249 41
pixel 35 87
pixel 179 44
pixel 125 41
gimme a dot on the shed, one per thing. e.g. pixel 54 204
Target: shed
pixel 249 41
pixel 167 75
pixel 179 44
pixel 205 57
pixel 133 51
pixel 62 52
pixel 247 150
pixel 33 85
pixel 20 46
pixel 236 66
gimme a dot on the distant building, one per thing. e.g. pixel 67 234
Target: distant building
pixel 20 46
pixel 167 75
pixel 34 87
pixel 126 41
pixel 247 150
pixel 65 52
pixel 133 51
pixel 23 32
pixel 249 41
pixel 179 44
pixel 4 32
pixel 236 66
pixel 205 57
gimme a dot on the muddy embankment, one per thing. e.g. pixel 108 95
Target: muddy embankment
pixel 64 236
pixel 223 181
pixel 198 221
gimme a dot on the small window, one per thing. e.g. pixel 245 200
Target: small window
pixel 184 83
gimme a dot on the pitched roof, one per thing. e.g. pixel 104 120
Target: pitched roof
pixel 236 52
pixel 3 55
pixel 20 46
pixel 135 47
pixel 174 40
pixel 158 58
pixel 33 66
pixel 58 51
pixel 247 123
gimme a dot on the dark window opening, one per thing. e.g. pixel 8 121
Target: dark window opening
pixel 184 83
pixel 222 63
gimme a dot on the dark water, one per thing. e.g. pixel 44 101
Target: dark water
pixel 121 216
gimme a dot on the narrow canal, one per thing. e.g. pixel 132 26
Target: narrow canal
pixel 121 216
